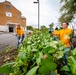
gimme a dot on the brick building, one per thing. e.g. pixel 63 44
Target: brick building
pixel 10 17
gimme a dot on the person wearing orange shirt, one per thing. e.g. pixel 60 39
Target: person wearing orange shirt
pixel 65 35
pixel 20 34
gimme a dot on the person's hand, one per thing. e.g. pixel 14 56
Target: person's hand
pixel 15 34
pixel 20 40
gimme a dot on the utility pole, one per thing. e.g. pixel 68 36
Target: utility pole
pixel 38 12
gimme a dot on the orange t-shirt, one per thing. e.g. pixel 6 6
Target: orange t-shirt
pixel 64 35
pixel 19 31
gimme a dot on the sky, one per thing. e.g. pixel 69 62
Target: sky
pixel 49 11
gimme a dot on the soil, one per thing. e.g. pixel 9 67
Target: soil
pixel 8 56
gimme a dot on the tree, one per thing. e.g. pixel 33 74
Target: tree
pixel 51 26
pixel 43 28
pixel 68 10
pixel 29 28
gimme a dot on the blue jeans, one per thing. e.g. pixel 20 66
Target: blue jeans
pixel 65 57
pixel 18 37
pixel 22 39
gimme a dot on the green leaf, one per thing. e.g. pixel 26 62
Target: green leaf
pixel 29 48
pixel 53 44
pixel 33 71
pixel 65 68
pixel 52 50
pixel 59 54
pixel 73 52
pixel 7 68
pixel 72 64
pixel 43 70
pixel 39 57
pixel 49 58
pixel 49 49
pixel 34 50
pixel 47 65
pixel 22 56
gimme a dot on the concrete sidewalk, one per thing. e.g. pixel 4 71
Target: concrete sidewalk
pixel 7 32
pixel 7 39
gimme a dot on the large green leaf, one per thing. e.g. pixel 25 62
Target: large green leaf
pixel 47 65
pixel 7 68
pixel 33 71
pixel 49 58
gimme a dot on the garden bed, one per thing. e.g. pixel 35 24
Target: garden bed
pixel 39 55
pixel 8 56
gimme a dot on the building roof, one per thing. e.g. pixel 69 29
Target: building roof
pixel 6 2
pixel 9 3
pixel 23 18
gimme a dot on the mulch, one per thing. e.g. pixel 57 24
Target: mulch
pixel 8 56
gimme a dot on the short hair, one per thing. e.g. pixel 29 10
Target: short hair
pixel 56 28
pixel 67 23
pixel 18 25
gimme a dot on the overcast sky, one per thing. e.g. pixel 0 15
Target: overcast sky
pixel 49 11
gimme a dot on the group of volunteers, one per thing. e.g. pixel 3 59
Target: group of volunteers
pixel 64 35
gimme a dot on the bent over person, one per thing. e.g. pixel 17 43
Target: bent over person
pixel 65 35
pixel 20 34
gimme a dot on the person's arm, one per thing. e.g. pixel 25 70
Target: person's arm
pixel 56 33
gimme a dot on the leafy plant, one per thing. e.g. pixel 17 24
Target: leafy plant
pixel 70 68
pixel 38 55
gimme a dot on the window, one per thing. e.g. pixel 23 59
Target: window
pixel 8 14
pixel 8 7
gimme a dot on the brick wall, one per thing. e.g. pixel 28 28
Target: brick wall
pixel 11 15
